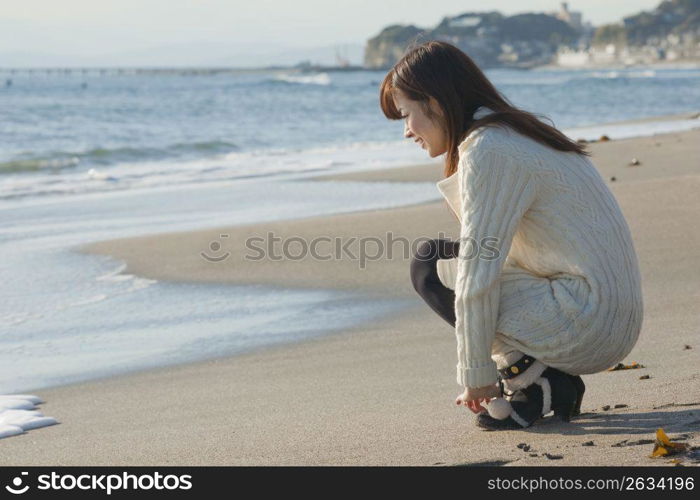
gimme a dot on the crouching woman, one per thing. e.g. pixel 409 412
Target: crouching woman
pixel 543 284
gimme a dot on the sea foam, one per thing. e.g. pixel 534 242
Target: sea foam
pixel 18 414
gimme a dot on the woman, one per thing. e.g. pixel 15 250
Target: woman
pixel 543 284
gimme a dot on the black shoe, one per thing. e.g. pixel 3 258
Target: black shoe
pixel 553 391
pixel 580 389
pixel 564 394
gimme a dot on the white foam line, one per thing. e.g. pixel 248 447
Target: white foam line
pixel 18 414
pixel 631 130
pixel 114 273
pixel 34 399
pixel 89 300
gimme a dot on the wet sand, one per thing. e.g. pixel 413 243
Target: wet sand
pixel 383 393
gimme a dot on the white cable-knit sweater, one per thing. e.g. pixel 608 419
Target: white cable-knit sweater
pixel 566 287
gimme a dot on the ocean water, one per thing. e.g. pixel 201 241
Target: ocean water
pixel 66 316
pixel 74 133
pixel 88 157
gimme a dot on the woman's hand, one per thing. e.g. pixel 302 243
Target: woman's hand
pixel 474 396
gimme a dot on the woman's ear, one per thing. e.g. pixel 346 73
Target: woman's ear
pixel 435 107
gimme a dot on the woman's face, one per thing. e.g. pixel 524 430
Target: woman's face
pixel 428 134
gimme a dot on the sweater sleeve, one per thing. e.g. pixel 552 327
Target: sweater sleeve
pixel 496 191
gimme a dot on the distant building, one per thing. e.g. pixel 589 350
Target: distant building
pixel 464 22
pixel 573 19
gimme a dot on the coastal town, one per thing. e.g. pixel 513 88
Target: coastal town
pixel 668 34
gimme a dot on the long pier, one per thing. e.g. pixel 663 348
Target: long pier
pixel 109 71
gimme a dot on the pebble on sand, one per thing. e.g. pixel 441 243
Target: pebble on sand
pixel 635 162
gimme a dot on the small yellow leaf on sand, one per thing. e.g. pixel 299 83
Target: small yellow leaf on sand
pixel 663 445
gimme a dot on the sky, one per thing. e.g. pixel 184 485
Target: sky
pixel 245 30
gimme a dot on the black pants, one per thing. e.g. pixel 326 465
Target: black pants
pixel 425 277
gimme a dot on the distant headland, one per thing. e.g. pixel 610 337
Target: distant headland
pixel 669 33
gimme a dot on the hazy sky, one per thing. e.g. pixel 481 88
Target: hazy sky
pixel 91 27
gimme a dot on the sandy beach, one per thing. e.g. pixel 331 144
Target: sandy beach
pixel 383 393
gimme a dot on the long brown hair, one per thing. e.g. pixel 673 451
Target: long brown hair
pixel 440 70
